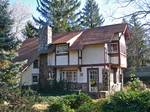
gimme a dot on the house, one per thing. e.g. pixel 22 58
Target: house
pixel 92 60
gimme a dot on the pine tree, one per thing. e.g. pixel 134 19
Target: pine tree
pixel 90 15
pixel 138 51
pixel 59 14
pixel 30 30
pixel 8 44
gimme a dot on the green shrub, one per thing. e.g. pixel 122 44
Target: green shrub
pixel 130 101
pixel 144 101
pixel 16 102
pixel 92 106
pixel 51 99
pixel 28 92
pixel 87 107
pixel 136 85
pixel 75 101
pixel 59 107
pixel 58 86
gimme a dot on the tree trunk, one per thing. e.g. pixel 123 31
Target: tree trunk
pixel 43 69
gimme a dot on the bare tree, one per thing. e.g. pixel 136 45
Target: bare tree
pixel 21 14
pixel 143 7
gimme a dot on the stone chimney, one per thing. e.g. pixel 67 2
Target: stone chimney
pixel 45 38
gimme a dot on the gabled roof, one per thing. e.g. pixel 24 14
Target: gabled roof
pixel 28 51
pixel 103 34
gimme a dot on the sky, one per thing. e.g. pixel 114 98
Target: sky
pixel 107 9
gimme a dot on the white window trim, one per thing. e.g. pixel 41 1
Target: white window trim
pixel 73 76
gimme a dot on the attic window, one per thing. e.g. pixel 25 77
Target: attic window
pixel 62 49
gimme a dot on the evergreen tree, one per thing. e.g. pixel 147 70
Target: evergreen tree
pixel 30 30
pixel 59 14
pixel 90 15
pixel 8 44
pixel 138 51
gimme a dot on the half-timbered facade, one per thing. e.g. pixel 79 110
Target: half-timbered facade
pixel 91 60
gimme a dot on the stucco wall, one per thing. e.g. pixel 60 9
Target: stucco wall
pixel 93 54
pixel 27 76
pixel 51 59
pixel 62 60
pixel 123 61
pixel 115 60
pixel 35 71
pixel 123 57
pixel 107 57
pixel 122 42
pixel 73 57
pixel 115 86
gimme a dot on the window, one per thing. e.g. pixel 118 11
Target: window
pixel 70 76
pixel 35 64
pixel 35 79
pixel 62 49
pixel 114 47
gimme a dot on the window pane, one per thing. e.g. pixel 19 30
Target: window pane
pixel 35 78
pixel 70 76
pixel 114 47
pixel 35 64
pixel 61 49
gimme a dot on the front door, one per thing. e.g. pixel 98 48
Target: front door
pixel 93 79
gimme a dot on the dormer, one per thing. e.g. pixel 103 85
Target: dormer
pixel 62 49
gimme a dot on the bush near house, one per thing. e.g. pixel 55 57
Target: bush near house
pixel 135 98
pixel 75 101
pixel 70 103
pixel 60 107
pixel 129 101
